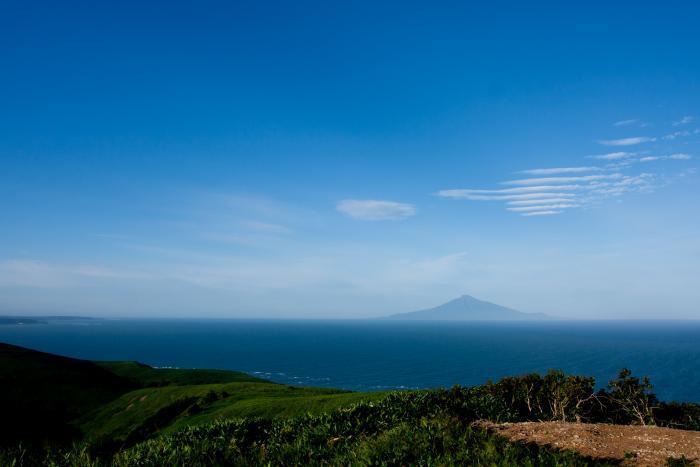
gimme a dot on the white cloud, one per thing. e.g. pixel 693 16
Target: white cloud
pixel 676 157
pixel 543 207
pixel 680 157
pixel 540 213
pixel 684 120
pixel 527 202
pixel 560 170
pixel 583 191
pixel 676 134
pixel 631 183
pixel 375 210
pixel 547 180
pixel 612 156
pixel 543 195
pixel 468 193
pixel 589 190
pixel 626 141
pixel 554 190
pixel 626 122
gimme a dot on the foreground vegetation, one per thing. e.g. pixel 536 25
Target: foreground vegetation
pixel 426 427
pixel 252 422
pixel 56 401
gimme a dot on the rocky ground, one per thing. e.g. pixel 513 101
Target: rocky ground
pixel 632 445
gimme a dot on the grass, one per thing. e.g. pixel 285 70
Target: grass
pixel 49 398
pixel 139 414
pixel 145 376
pixel 40 392
pixel 409 428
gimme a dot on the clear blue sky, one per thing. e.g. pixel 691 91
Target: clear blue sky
pixel 294 159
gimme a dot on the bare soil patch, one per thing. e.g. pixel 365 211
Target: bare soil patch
pixel 632 445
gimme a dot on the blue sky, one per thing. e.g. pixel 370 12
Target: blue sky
pixel 319 160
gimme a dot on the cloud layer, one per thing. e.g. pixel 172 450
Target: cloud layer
pixel 375 210
pixel 626 141
pixel 553 190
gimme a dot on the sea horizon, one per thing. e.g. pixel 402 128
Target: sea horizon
pixel 376 354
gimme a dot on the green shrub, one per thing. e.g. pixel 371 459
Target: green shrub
pixel 631 399
pixel 403 428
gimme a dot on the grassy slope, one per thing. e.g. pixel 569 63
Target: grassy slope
pixel 47 396
pixel 144 412
pixel 41 392
pixel 146 376
pixel 242 420
pixel 412 428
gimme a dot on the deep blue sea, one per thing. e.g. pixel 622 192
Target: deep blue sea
pixel 382 354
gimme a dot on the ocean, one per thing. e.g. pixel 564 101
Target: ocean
pixel 385 354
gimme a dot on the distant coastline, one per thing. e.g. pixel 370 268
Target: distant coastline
pixel 9 320
pixel 22 320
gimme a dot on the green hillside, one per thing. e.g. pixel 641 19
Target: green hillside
pixel 139 414
pixel 41 392
pixel 129 414
pixel 146 376
pixel 59 399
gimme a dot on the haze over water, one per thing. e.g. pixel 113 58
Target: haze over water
pixel 374 355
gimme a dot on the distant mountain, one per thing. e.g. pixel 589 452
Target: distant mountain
pixel 467 308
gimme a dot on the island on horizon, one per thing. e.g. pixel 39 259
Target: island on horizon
pixel 468 308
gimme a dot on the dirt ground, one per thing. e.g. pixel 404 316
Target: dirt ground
pixel 634 445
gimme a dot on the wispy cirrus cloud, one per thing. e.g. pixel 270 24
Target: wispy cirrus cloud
pixel 554 180
pixel 629 122
pixel 532 202
pixel 632 122
pixel 560 170
pixel 627 141
pixel 375 210
pixel 680 157
pixel 684 120
pixel 549 191
pixel 466 193
pixel 541 213
pixel 546 207
pixel 529 196
pixel 676 157
pixel 676 134
pixel 612 156
pixel 520 193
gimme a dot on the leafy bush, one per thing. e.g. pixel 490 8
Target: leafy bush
pixel 404 428
pixel 631 399
pixel 556 396
pixel 678 415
